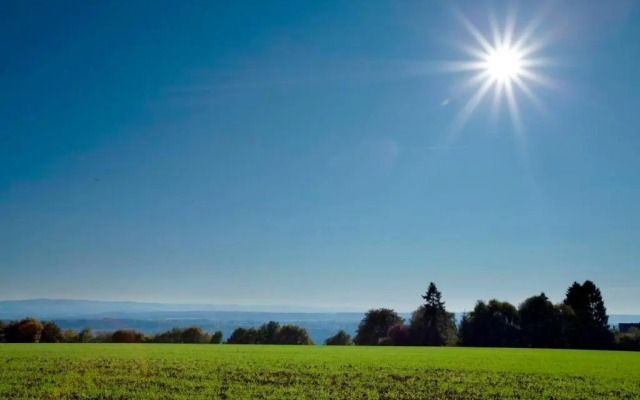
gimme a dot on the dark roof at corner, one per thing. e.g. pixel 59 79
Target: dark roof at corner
pixel 626 327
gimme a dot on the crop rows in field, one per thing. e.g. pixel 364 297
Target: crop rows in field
pixel 111 371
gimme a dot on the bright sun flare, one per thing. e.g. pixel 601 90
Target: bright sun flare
pixel 503 63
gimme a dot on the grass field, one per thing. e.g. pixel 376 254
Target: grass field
pixel 157 371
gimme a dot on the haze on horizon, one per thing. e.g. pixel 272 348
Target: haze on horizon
pixel 318 155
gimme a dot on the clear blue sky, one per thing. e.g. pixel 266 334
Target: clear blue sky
pixel 302 153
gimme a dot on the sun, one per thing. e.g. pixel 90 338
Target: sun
pixel 505 62
pixel 504 65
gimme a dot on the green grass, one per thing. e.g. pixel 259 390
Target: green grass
pixel 157 371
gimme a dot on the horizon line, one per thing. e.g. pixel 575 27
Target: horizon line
pixel 310 309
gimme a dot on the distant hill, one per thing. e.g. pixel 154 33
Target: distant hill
pixel 156 317
pixel 63 308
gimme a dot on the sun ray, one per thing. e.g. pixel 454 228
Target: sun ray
pixel 503 63
pixel 476 79
pixel 539 62
pixel 453 66
pixel 496 102
pixel 470 106
pixel 495 30
pixel 529 93
pixel 473 51
pixel 514 112
pixel 509 28
pixel 479 37
pixel 526 90
pixel 539 79
pixel 469 83
pixel 528 31
pixel 534 46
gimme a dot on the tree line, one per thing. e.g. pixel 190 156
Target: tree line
pixel 30 330
pixel 580 322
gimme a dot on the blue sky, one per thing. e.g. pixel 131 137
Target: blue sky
pixel 306 154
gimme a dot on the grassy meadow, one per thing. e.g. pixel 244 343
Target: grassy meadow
pixel 173 371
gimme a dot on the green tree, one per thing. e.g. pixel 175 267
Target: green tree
pixel 216 338
pixel 244 336
pixel 292 334
pixel 85 335
pixel 268 333
pixel 103 337
pixel 192 334
pixel 2 327
pixel 27 330
pixel 51 332
pixel 173 335
pixel 402 335
pixel 341 338
pixel 629 341
pixel 592 329
pixel 127 336
pixel 374 326
pixel 586 301
pixel 493 324
pixel 441 331
pixel 431 324
pixel 569 325
pixel 540 323
pixel 70 336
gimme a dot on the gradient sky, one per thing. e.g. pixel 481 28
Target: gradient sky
pixel 302 153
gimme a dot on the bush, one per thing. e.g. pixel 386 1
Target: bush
pixel 127 336
pixel 51 333
pixel 216 338
pixel 70 336
pixel 103 337
pixel 492 324
pixel 85 335
pixel 341 338
pixel 627 341
pixel 244 336
pixel 192 335
pixel 27 330
pixel 400 335
pixel 174 335
pixel 270 333
pixel 375 325
pixel 293 334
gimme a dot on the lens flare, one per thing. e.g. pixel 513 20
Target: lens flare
pixel 504 64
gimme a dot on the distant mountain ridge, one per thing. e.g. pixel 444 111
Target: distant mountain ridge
pixel 151 318
pixel 77 309
pixel 69 308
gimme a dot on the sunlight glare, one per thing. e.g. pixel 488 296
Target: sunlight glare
pixel 504 64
